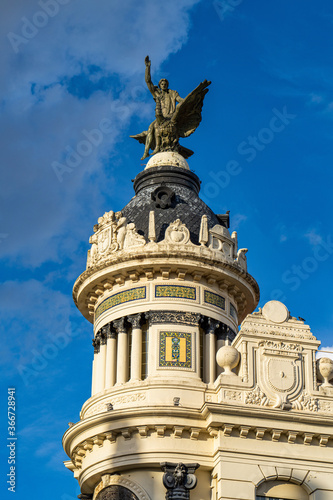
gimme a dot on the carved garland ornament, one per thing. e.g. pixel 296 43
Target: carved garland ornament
pixel 256 397
pixel 306 402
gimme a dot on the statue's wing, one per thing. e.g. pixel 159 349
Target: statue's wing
pixel 142 138
pixel 188 113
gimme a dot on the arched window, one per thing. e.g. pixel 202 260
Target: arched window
pixel 281 490
pixel 116 492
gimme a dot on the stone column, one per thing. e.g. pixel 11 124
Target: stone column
pixel 136 351
pixel 210 351
pixel 122 351
pixel 111 358
pixel 178 479
pixel 96 345
pixel 100 367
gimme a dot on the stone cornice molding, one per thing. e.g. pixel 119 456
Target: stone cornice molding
pixel 273 431
pixel 196 261
pixel 211 415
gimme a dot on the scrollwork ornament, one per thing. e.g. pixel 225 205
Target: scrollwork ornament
pixel 177 233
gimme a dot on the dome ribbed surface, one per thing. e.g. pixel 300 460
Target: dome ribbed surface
pixel 185 205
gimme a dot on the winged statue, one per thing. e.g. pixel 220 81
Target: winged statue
pixel 175 117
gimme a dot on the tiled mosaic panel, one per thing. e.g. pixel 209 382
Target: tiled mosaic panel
pixel 214 299
pixel 121 298
pixel 175 350
pixel 233 312
pixel 174 291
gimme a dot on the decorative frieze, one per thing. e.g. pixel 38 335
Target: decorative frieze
pixel 233 312
pixel 181 318
pixel 280 347
pixel 175 292
pixel 138 293
pixel 214 299
pixel 116 402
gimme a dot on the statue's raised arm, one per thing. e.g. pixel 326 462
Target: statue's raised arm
pixel 149 83
pixel 172 120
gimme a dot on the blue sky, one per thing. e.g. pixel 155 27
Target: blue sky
pixel 263 151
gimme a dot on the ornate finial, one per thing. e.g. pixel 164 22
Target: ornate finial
pixel 178 479
pixel 172 121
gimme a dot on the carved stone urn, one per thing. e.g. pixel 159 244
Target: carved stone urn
pixel 325 368
pixel 227 357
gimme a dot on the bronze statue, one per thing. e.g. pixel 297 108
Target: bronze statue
pixel 172 121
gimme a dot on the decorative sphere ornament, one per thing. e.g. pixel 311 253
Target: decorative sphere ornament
pixel 167 158
pixel 227 357
pixel 325 368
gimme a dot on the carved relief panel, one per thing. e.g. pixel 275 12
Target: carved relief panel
pixel 280 374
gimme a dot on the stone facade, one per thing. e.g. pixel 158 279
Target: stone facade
pixel 184 403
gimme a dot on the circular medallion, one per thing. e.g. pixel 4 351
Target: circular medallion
pixel 275 311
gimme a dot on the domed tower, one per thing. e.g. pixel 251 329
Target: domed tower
pixel 183 404
pixel 165 288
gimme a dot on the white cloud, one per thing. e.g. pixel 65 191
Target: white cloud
pixel 316 98
pixel 236 221
pixel 325 352
pixel 313 237
pixel 37 316
pixel 42 118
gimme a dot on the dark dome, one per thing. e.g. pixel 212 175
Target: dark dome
pixel 172 192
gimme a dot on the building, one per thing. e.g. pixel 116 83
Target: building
pixel 184 404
